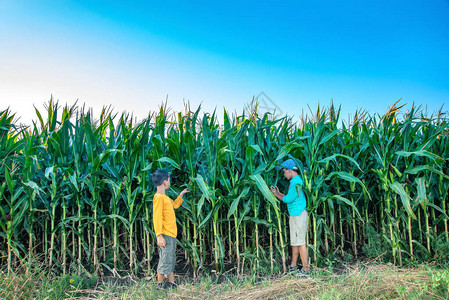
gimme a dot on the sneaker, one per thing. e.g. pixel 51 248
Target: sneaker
pixel 160 286
pixel 303 272
pixel 292 270
pixel 171 286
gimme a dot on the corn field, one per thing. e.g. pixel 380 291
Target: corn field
pixel 76 191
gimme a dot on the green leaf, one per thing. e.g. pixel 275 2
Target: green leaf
pixel 328 137
pixel 333 157
pixel 259 221
pixel 421 187
pixel 40 118
pixel 99 160
pixel 399 189
pixel 9 181
pixel 418 169
pixel 72 178
pixel 115 216
pixel 423 153
pixel 350 178
pixel 287 148
pixel 206 219
pixel 169 161
pixel 348 202
pixel 244 212
pixel 17 194
pixel 33 185
pixel 438 208
pixel 21 207
pixel 263 188
pixel 49 171
pixel 203 187
pixel 236 201
pixel 250 158
pixel 257 148
pixel 147 168
pixel 200 206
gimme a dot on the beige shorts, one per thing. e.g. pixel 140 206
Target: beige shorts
pixel 298 229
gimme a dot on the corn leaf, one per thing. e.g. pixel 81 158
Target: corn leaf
pixel 421 187
pixel 263 188
pixel 399 189
pixel 169 161
pixel 417 169
pixel 348 202
pixel 236 201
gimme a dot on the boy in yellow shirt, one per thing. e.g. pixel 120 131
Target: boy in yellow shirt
pixel 164 220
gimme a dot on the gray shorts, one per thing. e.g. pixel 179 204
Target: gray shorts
pixel 298 229
pixel 167 256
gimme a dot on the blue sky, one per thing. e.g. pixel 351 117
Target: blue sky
pixel 133 56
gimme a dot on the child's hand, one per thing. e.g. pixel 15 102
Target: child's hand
pixel 275 191
pixel 160 240
pixel 183 192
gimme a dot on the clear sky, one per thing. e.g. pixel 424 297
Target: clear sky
pixel 134 54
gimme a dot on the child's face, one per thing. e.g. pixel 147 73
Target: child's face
pixel 288 173
pixel 167 183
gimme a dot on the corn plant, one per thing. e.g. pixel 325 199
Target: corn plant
pixel 76 191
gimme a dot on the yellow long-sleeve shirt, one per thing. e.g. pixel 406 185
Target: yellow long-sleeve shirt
pixel 164 218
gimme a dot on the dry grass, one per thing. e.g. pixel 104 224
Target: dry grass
pixel 355 282
pixel 368 282
pixel 14 285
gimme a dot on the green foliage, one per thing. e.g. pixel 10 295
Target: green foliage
pixel 371 281
pixel 76 190
pixel 441 248
pixel 440 281
pixel 37 284
pixel 376 247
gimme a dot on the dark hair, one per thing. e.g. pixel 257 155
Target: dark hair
pixel 159 176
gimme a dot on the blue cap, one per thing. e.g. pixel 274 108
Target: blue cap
pixel 290 165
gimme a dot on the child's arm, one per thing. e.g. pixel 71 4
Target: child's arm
pixel 276 192
pixel 157 220
pixel 178 201
pixel 292 193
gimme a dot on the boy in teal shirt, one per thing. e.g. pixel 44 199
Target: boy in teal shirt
pixel 296 205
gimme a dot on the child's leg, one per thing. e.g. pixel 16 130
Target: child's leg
pixel 295 238
pixel 172 246
pixel 295 254
pixel 302 240
pixel 304 252
pixel 160 278
pixel 167 259
pixel 171 277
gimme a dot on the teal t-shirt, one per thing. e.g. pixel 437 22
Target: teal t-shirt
pixel 296 203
